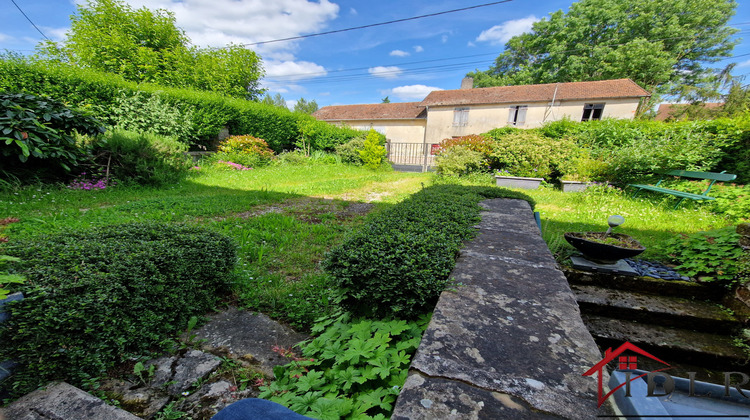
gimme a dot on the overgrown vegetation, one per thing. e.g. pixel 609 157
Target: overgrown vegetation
pixel 353 369
pixel 146 159
pixel 248 151
pixel 613 150
pixel 398 263
pixel 96 297
pixel 208 112
pixel 709 256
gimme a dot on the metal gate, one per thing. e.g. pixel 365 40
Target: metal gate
pixel 412 157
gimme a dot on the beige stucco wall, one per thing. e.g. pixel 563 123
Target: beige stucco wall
pixel 483 118
pixel 396 131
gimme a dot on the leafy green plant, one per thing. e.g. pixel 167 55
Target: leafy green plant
pixel 7 278
pixel 528 153
pixel 246 150
pixel 144 158
pixel 98 297
pixel 353 369
pixel 144 374
pixel 398 263
pixel 373 152
pixel 459 160
pixel 349 151
pixel 42 128
pixel 709 256
pixel 319 135
pixel 150 113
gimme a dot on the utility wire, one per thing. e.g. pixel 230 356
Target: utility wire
pixel 379 24
pixel 27 18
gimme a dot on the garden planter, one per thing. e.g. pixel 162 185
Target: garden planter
pixel 518 182
pixel 601 252
pixel 575 186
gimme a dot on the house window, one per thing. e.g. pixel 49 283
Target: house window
pixel 460 117
pixel 517 115
pixel 592 112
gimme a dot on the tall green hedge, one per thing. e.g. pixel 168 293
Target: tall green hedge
pixel 99 297
pixel 211 112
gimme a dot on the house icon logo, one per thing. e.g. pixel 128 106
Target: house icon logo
pixel 623 363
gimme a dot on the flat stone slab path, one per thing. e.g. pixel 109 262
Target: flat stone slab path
pixel 508 342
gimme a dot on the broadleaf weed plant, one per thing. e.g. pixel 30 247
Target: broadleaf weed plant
pixel 354 368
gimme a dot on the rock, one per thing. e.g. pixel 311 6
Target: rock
pixel 179 373
pixel 743 229
pixel 251 335
pixel 63 401
pixel 191 368
pixel 141 401
pixel 211 398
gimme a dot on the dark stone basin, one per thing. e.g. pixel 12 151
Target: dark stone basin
pixel 603 253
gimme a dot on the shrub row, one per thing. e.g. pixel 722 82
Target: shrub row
pixel 110 98
pixel 398 263
pixel 633 149
pixel 98 297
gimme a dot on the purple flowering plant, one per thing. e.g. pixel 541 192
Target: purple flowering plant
pixel 82 182
pixel 236 166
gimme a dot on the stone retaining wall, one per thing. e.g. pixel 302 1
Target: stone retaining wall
pixel 508 342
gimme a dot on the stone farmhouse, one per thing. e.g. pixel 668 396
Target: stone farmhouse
pixel 452 113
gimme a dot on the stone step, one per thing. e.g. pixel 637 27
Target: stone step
pixel 664 310
pixel 63 401
pixel 676 288
pixel 715 351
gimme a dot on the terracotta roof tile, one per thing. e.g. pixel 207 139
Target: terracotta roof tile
pixel 602 89
pixel 666 111
pixel 392 111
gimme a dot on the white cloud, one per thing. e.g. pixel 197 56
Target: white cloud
pixel 418 48
pixel 293 70
pixel 389 72
pixel 412 92
pixel 500 34
pixel 290 103
pixel 216 23
pixel 399 53
pixel 353 11
pixel 57 34
pixel 444 39
pixel 744 64
pixel 4 37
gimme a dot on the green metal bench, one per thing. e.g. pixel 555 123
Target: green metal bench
pixel 713 176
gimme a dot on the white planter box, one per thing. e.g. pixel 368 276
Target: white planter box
pixel 518 182
pixel 575 186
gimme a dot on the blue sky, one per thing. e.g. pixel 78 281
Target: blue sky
pixel 403 61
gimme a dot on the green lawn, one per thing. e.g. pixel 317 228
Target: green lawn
pixel 284 218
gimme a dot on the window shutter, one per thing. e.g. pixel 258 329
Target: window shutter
pixel 521 118
pixel 512 115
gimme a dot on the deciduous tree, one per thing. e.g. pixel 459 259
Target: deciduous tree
pixel 146 46
pixel 659 44
pixel 306 107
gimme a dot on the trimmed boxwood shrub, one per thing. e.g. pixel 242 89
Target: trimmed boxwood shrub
pixel 96 298
pixel 398 263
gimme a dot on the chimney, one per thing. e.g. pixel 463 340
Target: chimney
pixel 467 83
